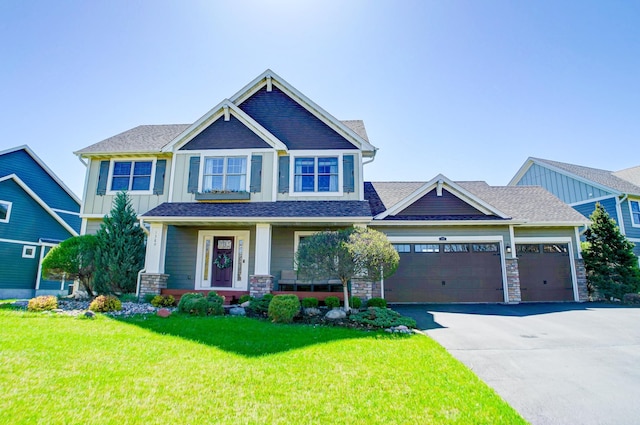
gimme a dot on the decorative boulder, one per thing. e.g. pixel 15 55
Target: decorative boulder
pixel 90 314
pixel 237 311
pixel 336 314
pixel 164 312
pixel 245 304
pixel 312 311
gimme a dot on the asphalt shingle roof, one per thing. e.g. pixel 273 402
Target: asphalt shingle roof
pixel 620 181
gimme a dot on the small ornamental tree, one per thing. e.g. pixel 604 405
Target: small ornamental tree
pixel 120 249
pixel 72 259
pixel 611 266
pixel 346 254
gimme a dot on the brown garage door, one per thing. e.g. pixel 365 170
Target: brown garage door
pixel 545 272
pixel 444 273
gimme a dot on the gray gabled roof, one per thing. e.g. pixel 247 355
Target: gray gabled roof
pixel 522 203
pixel 152 138
pixel 602 177
pixel 631 175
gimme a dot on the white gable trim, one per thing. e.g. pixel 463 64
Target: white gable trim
pixel 219 111
pixel 36 198
pixel 271 78
pixel 455 189
pixel 530 161
pixel 35 157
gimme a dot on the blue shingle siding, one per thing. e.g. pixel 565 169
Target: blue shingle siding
pixel 222 134
pixel 29 171
pixel 291 123
pixel 566 188
pixel 28 221
pixel 17 272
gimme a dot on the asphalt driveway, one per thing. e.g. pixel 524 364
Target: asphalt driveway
pixel 554 363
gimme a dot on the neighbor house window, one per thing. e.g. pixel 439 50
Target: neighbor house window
pixel 316 174
pixel 225 174
pixel 131 175
pixel 635 212
pixel 28 251
pixel 5 211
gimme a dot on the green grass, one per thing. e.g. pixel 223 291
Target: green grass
pixel 227 370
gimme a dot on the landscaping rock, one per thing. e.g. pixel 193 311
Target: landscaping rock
pixel 237 311
pixel 245 304
pixel 401 329
pixel 312 311
pixel 164 312
pixel 335 314
pixel 21 304
pixel 90 314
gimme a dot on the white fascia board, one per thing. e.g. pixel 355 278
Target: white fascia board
pixel 307 103
pixel 521 172
pixel 419 223
pixel 266 220
pixel 576 177
pixel 39 200
pixel 44 166
pixel 452 187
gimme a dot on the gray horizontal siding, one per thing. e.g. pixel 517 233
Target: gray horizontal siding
pixel 566 188
pixel 181 255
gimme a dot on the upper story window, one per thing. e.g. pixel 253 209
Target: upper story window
pixel 131 175
pixel 635 212
pixel 316 174
pixel 225 174
pixel 5 211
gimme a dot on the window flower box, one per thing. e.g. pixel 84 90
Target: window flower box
pixel 223 196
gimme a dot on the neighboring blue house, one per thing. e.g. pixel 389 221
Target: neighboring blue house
pixel 37 211
pixel 582 187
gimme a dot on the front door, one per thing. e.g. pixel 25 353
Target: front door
pixel 222 260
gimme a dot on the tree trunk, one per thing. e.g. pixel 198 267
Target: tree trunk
pixel 345 289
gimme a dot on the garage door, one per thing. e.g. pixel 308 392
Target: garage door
pixel 444 273
pixel 545 272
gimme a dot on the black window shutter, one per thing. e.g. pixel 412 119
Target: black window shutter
pixel 283 174
pixel 158 184
pixel 194 174
pixel 349 175
pixel 102 178
pixel 256 173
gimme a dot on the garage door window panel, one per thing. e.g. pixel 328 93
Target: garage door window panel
pixel 456 247
pixel 485 247
pixel 402 248
pixel 426 248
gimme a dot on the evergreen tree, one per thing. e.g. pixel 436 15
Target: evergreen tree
pixel 611 265
pixel 120 249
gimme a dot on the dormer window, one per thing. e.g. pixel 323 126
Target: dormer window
pixel 228 174
pixel 316 174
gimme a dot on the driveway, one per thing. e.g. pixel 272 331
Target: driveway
pixel 554 363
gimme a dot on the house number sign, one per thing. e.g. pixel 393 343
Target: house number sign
pixel 224 244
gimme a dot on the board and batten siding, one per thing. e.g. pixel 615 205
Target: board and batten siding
pixel 568 189
pixel 102 204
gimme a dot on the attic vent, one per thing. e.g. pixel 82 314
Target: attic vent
pixel 439 188
pixel 269 85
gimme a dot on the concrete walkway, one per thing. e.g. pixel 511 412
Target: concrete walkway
pixel 554 363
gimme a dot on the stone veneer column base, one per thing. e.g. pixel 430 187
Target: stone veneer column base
pixel 365 289
pixel 260 285
pixel 581 277
pixel 152 283
pixel 513 280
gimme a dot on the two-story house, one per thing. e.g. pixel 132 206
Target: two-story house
pixel 37 211
pixel 582 187
pixel 227 199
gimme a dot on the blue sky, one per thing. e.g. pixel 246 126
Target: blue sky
pixel 469 89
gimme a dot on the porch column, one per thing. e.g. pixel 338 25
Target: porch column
pixel 263 250
pixel 156 247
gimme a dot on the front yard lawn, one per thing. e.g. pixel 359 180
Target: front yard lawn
pixel 228 370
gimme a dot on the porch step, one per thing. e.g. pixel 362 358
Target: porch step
pixel 230 297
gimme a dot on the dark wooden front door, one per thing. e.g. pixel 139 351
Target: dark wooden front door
pixel 222 262
pixel 545 272
pixel 447 273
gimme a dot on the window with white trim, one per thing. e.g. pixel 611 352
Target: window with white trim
pixel 316 174
pixel 5 211
pixel 635 212
pixel 131 175
pixel 28 251
pixel 224 174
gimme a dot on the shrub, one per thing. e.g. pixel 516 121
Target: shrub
pixel 163 301
pixel 283 308
pixel 310 302
pixel 382 318
pixel 244 298
pixel 199 305
pixel 355 302
pixel 129 298
pixel 42 303
pixel 261 305
pixel 377 302
pixel 148 297
pixel 332 302
pixel 105 303
pixel 216 304
pixel 631 299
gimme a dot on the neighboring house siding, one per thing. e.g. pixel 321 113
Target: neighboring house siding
pixel 608 204
pixel 630 230
pixel 17 272
pixel 29 171
pixel 102 204
pixel 291 123
pixel 222 134
pixel 566 188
